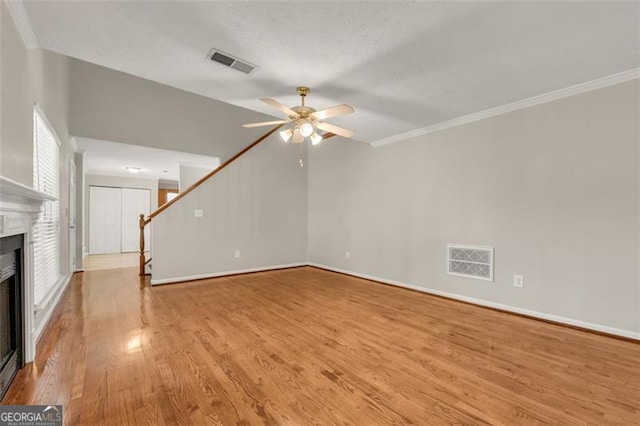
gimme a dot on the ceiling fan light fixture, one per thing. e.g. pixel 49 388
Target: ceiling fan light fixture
pixel 286 135
pixel 315 138
pixel 297 136
pixel 304 123
pixel 306 129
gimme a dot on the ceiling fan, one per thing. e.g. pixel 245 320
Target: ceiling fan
pixel 305 122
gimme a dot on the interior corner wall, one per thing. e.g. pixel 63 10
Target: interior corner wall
pixel 257 206
pixel 554 188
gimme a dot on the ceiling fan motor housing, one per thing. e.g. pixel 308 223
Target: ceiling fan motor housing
pixel 303 112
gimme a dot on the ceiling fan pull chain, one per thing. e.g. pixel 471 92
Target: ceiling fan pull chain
pixel 301 155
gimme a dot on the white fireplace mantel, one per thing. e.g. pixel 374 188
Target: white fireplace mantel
pixel 19 208
pixel 12 192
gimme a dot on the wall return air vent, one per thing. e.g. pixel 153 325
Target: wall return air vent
pixel 470 261
pixel 230 61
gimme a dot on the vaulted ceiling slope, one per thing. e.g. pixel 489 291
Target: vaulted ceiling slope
pixel 402 65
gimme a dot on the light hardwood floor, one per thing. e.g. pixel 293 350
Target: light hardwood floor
pixel 95 262
pixel 306 346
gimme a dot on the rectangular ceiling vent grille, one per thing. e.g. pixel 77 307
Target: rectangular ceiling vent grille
pixel 230 61
pixel 470 261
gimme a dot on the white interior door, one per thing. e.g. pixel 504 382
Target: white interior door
pixel 134 203
pixel 105 216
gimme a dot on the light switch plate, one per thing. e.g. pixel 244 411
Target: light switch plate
pixel 199 213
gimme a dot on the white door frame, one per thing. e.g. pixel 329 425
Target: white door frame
pixel 72 216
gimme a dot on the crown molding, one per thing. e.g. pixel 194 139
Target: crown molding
pixel 20 18
pixel 514 106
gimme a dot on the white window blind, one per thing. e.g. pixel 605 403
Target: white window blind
pixel 46 178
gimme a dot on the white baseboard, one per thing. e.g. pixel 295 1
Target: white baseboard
pixel 541 315
pixel 222 274
pixel 43 317
pixel 480 302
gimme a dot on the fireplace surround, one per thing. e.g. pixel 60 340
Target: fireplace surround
pixel 11 309
pixel 19 209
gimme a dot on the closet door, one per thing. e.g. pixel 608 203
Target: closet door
pixel 134 202
pixel 105 216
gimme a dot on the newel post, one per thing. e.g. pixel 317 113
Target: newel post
pixel 143 223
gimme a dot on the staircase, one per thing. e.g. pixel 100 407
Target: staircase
pixel 145 265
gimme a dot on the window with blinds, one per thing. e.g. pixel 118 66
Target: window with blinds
pixel 46 236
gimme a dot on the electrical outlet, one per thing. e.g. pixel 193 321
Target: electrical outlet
pixel 199 213
pixel 236 254
pixel 347 255
pixel 518 281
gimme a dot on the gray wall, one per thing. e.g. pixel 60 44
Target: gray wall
pixel 114 106
pixel 168 184
pixel 190 175
pixel 30 77
pixel 16 145
pixel 555 188
pixel 257 205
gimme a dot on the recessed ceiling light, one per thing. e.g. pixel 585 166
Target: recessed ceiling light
pixel 134 169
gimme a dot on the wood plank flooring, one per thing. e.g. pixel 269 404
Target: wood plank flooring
pixel 95 262
pixel 306 346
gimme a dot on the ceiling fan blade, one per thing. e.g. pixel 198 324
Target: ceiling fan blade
pixel 333 112
pixel 277 105
pixel 340 131
pixel 265 123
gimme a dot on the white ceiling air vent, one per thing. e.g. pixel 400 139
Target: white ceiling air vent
pixel 231 61
pixel 470 261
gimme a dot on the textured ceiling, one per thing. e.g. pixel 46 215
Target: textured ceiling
pixel 402 65
pixel 113 158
